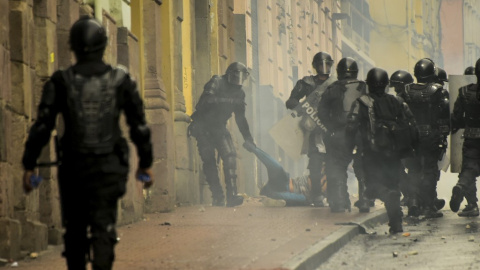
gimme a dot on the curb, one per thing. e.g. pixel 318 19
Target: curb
pixel 320 252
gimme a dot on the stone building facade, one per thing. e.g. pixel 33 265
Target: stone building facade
pixel 34 43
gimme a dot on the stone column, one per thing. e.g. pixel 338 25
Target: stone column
pixel 161 197
pixel 131 204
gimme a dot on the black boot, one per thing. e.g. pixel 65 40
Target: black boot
pixel 413 208
pixel 231 186
pixel 439 203
pixel 362 205
pixel 218 200
pixel 395 227
pixel 470 210
pixel 431 212
pixel 457 198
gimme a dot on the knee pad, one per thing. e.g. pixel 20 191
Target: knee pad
pixel 230 162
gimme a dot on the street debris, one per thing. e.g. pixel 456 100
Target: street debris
pixel 471 239
pixel 394 238
pixel 468 226
pixel 395 254
pixel 413 252
pixel 201 209
pixel 407 234
pixel 33 255
pixel 166 224
pixel 443 238
pixel 307 230
pixel 14 264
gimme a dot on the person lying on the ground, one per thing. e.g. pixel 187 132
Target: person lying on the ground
pixel 294 191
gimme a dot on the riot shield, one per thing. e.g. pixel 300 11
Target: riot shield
pixel 456 140
pixel 292 132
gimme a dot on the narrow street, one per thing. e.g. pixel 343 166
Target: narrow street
pixel 449 243
pixel 203 237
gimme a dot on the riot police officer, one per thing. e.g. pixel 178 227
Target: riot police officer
pixel 381 167
pixel 466 114
pixel 441 76
pixel 312 87
pixel 90 96
pixel 222 96
pixel 429 103
pixel 399 80
pixel 332 111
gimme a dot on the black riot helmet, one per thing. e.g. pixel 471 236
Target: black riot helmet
pixel 377 80
pixel 88 36
pixel 322 63
pixel 441 75
pixel 236 73
pixel 424 70
pixel 347 68
pixel 469 71
pixel 400 79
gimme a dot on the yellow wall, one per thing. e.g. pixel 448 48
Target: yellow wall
pixel 166 11
pixel 400 30
pixel 187 57
pixel 137 30
pixel 214 58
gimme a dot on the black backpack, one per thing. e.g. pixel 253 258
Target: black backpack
pixel 390 136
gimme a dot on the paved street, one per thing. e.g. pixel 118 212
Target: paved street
pixel 248 237
pixel 449 243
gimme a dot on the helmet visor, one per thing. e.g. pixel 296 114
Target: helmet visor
pixel 237 77
pixel 324 67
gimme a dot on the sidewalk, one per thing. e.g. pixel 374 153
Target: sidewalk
pixel 251 236
pixel 448 243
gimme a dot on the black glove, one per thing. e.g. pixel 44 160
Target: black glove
pixel 292 103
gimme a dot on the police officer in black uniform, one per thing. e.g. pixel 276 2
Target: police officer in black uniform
pixel 429 103
pixel 466 114
pixel 399 80
pixel 381 168
pixel 222 96
pixel 322 63
pixel 332 111
pixel 90 95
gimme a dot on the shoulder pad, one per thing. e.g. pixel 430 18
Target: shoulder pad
pixel 212 84
pixel 366 100
pixel 119 74
pixel 309 80
pixel 436 86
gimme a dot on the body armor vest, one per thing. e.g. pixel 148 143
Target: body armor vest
pixel 423 100
pixel 92 111
pixel 354 90
pixel 472 107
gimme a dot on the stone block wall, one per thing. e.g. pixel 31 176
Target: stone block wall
pixel 33 44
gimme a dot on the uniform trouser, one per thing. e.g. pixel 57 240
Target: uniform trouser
pixel 423 174
pixel 405 185
pixel 89 207
pixel 339 155
pixel 221 141
pixel 470 169
pixel 277 186
pixel 382 179
pixel 316 161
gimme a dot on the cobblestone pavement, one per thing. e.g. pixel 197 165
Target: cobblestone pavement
pixel 251 236
pixel 449 243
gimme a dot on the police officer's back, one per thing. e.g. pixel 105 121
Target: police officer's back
pixel 90 96
pixel 332 111
pixel 370 114
pixel 429 103
pixel 466 114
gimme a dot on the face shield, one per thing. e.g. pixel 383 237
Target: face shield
pixel 324 67
pixel 237 77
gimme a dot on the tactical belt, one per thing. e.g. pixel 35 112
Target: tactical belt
pixel 472 133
